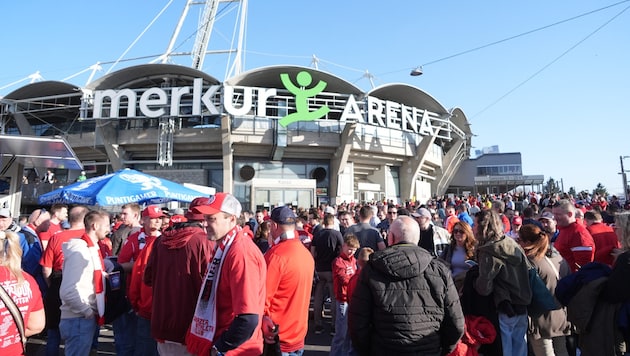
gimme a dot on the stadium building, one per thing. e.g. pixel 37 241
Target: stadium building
pixel 272 135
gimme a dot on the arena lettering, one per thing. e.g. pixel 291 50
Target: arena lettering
pixel 246 101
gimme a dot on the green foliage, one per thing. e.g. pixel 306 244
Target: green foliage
pixel 601 190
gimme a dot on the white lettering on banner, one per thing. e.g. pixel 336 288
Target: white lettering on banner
pixel 392 120
pixel 156 102
pixel 228 103
pixel 375 111
pixel 130 198
pixel 78 199
pixel 114 96
pixel 146 101
pixel 176 99
pixel 351 111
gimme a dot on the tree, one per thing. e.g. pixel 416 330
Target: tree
pixel 601 190
pixel 552 187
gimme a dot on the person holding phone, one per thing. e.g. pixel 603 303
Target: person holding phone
pixel 460 253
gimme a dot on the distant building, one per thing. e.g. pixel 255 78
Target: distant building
pixel 487 150
pixel 492 173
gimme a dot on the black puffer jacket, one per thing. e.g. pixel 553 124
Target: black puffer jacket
pixel 405 303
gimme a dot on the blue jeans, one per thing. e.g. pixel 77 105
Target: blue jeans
pixel 294 353
pixel 53 340
pixel 145 344
pixel 125 334
pixel 78 334
pixel 341 341
pixel 513 334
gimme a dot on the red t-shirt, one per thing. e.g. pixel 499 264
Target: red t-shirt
pixel 241 290
pixel 506 224
pixel 450 223
pixel 290 270
pixel 53 256
pixel 105 245
pixel 52 230
pixel 28 299
pixel 131 248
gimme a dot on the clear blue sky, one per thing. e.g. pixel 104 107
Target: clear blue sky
pixel 557 95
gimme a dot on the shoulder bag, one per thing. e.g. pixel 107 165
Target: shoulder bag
pixel 15 313
pixel 542 299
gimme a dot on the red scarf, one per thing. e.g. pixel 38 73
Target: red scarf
pixel 200 336
pixel 98 277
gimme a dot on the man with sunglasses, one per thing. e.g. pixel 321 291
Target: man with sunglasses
pixel 433 238
pixel 383 226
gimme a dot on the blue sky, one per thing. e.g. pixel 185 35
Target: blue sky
pixel 556 95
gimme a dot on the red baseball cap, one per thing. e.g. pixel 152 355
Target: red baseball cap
pixel 153 212
pixel 517 220
pixel 192 215
pixel 175 219
pixel 220 202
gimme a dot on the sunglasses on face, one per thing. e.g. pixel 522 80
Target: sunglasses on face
pixel 457 231
pixel 41 211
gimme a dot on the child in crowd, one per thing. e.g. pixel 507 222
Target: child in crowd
pixel 362 258
pixel 344 267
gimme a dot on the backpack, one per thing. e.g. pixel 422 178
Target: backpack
pixel 116 302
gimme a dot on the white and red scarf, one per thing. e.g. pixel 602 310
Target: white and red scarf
pixel 201 334
pixel 98 278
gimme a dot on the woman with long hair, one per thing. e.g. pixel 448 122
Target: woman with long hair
pixel 23 289
pixel 547 332
pixel 503 272
pixel 460 253
pixel 263 234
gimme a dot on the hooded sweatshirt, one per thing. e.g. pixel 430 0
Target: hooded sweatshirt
pixel 78 298
pixel 175 271
pixel 503 269
pixel 405 303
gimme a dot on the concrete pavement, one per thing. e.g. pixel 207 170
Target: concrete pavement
pixel 315 345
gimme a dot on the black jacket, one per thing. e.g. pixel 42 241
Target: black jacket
pixel 405 303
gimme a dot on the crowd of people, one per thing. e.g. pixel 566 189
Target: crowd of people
pixel 451 276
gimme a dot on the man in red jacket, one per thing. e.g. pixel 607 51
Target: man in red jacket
pixel 574 242
pixel 604 237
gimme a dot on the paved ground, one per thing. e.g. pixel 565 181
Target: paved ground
pixel 316 345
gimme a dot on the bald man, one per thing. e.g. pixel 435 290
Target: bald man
pixel 409 295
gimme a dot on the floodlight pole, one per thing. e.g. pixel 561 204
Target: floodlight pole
pixel 624 178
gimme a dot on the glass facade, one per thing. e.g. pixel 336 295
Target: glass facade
pixel 499 170
pixel 279 171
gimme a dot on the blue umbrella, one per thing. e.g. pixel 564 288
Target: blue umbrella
pixel 122 187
